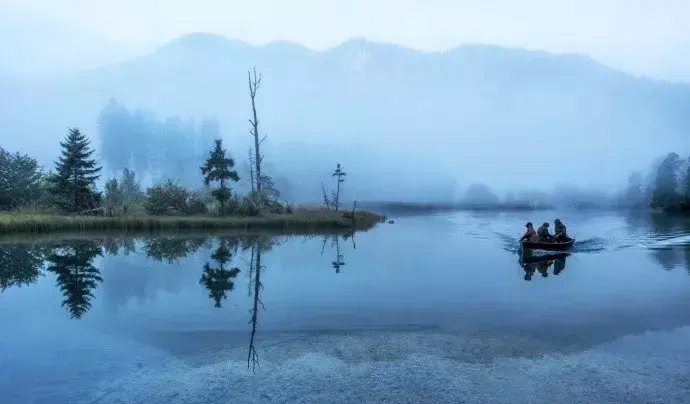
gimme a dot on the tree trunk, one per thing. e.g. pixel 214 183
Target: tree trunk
pixel 222 200
pixel 251 167
pixel 257 154
pixel 76 193
pixel 337 195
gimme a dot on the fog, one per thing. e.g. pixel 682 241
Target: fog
pixel 406 125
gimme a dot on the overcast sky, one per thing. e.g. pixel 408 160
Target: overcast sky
pixel 642 36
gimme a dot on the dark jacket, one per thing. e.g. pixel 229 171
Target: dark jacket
pixel 530 235
pixel 543 233
pixel 560 229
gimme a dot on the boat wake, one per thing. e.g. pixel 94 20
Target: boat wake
pixel 674 242
pixel 590 245
pixel 614 240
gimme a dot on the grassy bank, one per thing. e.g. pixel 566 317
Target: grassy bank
pixel 298 222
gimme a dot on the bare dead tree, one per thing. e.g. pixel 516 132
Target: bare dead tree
pixel 326 201
pixel 251 167
pixel 254 84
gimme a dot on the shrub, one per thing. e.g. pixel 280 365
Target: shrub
pixel 195 204
pixel 168 198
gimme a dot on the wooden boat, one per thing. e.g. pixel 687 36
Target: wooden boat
pixel 548 246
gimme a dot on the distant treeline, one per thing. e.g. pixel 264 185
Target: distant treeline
pixel 666 187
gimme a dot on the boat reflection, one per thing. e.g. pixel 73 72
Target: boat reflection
pixel 532 263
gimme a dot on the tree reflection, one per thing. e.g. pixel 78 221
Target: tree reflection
pixel 218 281
pixel 531 263
pixel 20 264
pixel 668 258
pixel 172 249
pixel 119 245
pixel 339 260
pixel 76 275
pixel 257 245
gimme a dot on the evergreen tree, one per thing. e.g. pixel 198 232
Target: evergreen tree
pixel 219 281
pixel 73 184
pixel 113 194
pixel 219 167
pixel 76 275
pixel 665 194
pixel 130 187
pixel 20 180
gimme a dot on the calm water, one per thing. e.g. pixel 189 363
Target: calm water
pixel 429 309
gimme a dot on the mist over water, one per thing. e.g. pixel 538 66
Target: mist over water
pixel 440 294
pixel 408 125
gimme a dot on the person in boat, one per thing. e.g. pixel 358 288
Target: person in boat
pixel 543 234
pixel 530 233
pixel 561 234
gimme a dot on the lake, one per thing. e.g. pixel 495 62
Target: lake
pixel 437 309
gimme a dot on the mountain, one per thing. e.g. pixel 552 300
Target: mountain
pixel 393 115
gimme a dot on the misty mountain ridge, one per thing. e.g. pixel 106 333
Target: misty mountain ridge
pixel 475 113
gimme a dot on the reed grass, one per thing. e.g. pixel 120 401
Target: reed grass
pixel 301 221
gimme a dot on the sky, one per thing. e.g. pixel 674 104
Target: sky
pixel 645 37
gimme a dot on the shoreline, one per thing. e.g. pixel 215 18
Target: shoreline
pixel 305 222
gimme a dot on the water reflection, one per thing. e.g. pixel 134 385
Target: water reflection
pixel 172 249
pixel 670 249
pixel 20 264
pixel 219 280
pixel 77 278
pixel 339 260
pixel 532 263
pixel 211 265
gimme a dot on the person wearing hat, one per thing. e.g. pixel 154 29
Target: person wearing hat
pixel 530 234
pixel 543 232
pixel 560 230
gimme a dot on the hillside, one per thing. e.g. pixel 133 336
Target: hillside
pixel 475 113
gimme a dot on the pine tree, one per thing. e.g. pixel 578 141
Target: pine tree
pixel 73 184
pixel 219 167
pixel 130 187
pixel 665 193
